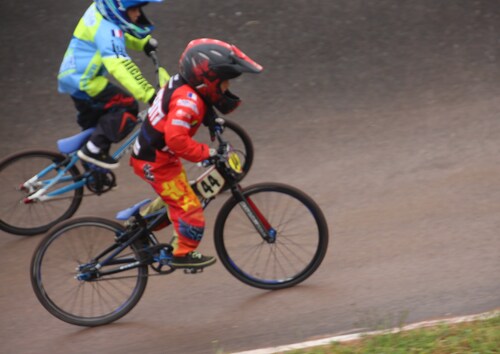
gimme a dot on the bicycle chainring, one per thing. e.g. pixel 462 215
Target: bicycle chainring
pixel 159 256
pixel 157 267
pixel 101 181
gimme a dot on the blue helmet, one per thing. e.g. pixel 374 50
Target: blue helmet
pixel 116 11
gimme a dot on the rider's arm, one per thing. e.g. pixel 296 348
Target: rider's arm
pixel 134 43
pixel 130 76
pixel 186 111
pixel 111 45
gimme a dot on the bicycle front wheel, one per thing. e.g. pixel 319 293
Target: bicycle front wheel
pixel 67 285
pixel 21 217
pixel 293 252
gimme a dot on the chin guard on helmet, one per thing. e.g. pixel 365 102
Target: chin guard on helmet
pixel 228 103
pixel 206 63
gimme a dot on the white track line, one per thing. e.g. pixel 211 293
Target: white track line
pixel 356 336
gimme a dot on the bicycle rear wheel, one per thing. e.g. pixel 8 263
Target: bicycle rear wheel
pixel 298 246
pixel 239 140
pixel 62 261
pixel 23 218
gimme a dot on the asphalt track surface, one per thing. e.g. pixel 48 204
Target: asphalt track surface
pixel 385 112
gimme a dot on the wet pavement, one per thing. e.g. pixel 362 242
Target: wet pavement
pixel 385 112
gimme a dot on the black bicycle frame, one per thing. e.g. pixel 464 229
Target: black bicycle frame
pixel 124 240
pixel 149 222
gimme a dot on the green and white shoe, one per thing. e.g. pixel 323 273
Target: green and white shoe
pixel 192 260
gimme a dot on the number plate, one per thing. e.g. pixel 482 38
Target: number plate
pixel 210 183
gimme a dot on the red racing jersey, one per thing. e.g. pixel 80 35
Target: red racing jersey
pixel 173 119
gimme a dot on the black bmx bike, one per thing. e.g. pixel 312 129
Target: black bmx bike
pixel 92 271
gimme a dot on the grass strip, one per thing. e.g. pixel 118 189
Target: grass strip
pixel 482 337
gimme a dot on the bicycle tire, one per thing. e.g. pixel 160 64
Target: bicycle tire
pixel 29 219
pixel 53 270
pixel 243 146
pixel 301 241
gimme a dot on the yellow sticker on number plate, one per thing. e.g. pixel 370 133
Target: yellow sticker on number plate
pixel 235 162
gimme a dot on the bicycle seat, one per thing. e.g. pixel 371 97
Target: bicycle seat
pixel 129 212
pixel 75 142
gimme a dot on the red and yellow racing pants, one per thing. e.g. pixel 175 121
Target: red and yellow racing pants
pixel 184 208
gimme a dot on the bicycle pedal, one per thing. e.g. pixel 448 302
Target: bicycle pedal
pixel 193 270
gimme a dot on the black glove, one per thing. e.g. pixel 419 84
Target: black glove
pixel 150 46
pixel 212 159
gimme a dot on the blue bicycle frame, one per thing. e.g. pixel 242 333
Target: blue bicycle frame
pixel 62 176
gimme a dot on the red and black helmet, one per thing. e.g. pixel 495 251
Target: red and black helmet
pixel 206 62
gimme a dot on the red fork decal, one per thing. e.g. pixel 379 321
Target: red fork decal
pixel 259 215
